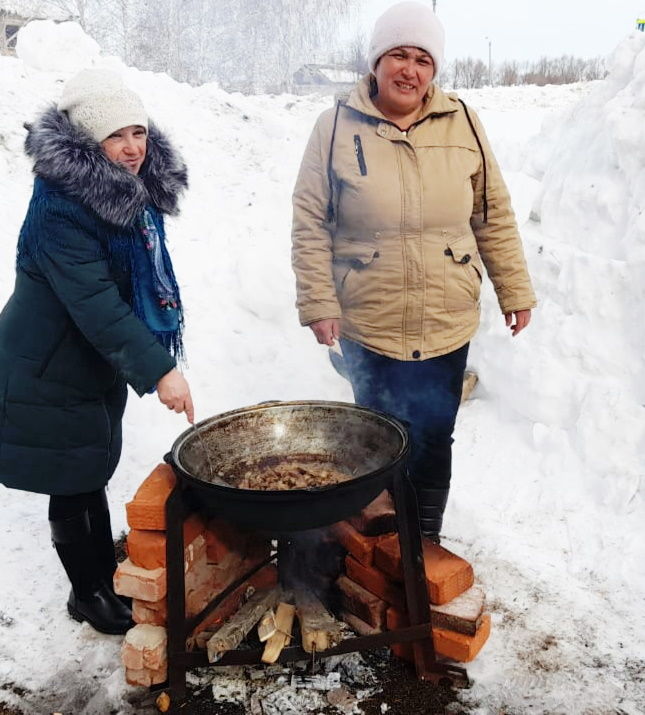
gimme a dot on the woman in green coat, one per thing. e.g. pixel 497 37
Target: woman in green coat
pixel 95 307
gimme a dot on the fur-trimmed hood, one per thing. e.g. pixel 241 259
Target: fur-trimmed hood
pixel 67 156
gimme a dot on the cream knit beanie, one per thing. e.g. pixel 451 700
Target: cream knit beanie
pixel 407 24
pixel 98 101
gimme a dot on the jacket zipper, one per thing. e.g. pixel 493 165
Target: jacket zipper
pixel 358 150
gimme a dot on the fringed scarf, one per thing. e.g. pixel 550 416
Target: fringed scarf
pixel 155 293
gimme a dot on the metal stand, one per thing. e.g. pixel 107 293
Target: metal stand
pixel 419 633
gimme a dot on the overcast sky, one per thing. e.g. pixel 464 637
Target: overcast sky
pixel 520 29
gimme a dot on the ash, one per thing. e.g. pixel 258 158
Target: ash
pixel 333 685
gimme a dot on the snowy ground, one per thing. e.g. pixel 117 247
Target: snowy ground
pixel 549 460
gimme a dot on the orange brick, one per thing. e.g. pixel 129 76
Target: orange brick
pixel 460 647
pixel 153 613
pixel 449 644
pixel 148 548
pixel 144 584
pixel 447 574
pixel 264 578
pixel 361 603
pixel 378 517
pixel 144 646
pixel 359 546
pixel 224 542
pixel 359 626
pixel 375 581
pixel 199 572
pixel 146 677
pixel 148 508
pixel 198 599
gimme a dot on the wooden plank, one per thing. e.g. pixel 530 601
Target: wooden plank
pixel 267 626
pixel 233 632
pixel 282 637
pixel 318 627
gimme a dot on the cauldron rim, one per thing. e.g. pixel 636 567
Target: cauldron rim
pixel 285 494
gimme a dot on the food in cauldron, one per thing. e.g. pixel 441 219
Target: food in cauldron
pixel 287 474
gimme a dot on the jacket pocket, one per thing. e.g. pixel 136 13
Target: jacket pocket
pixel 49 356
pixel 351 265
pixel 462 274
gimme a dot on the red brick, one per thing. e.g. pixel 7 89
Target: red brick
pixel 148 548
pixel 359 626
pixel 146 677
pixel 224 542
pixel 144 646
pixel 148 508
pixel 153 613
pixel 199 573
pixel 449 644
pixel 460 647
pixel 266 577
pixel 362 603
pixel 375 581
pixel 463 614
pixel 359 546
pixel 378 517
pixel 144 584
pixel 447 574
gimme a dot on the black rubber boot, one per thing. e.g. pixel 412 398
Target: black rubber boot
pixel 90 600
pixel 101 529
pixel 432 503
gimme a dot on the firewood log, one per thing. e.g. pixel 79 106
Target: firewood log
pixel 266 626
pixel 318 627
pixel 233 632
pixel 282 636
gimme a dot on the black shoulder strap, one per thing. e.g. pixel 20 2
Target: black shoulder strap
pixel 331 211
pixel 481 150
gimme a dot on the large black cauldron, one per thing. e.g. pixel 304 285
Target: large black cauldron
pixel 370 445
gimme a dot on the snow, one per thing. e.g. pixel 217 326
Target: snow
pixel 51 47
pixel 547 498
pixel 336 74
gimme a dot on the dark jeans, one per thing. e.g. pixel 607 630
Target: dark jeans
pixel 424 393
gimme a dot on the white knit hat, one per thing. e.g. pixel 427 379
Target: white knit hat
pixel 98 101
pixel 407 24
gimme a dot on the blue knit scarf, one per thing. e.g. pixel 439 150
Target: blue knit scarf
pixel 155 294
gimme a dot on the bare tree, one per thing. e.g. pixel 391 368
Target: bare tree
pixel 509 73
pixel 356 56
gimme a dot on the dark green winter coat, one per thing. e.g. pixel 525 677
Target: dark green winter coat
pixel 69 341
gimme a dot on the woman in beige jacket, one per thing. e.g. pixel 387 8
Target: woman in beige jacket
pixel 398 206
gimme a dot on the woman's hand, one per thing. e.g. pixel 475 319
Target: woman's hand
pixel 522 319
pixel 173 391
pixel 326 331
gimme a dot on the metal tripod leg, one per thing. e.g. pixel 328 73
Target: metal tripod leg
pixel 176 513
pixel 416 589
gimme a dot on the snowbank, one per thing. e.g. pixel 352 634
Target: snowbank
pixel 55 47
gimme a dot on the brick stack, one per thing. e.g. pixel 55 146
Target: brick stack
pixel 215 555
pixel 373 596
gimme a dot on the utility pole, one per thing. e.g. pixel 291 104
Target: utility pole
pixel 490 61
pixel 434 5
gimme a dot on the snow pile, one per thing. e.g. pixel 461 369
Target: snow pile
pixel 547 496
pixel 55 47
pixel 578 376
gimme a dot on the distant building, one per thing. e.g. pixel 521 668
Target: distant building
pixel 14 15
pixel 324 79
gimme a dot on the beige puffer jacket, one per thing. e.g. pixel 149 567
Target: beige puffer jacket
pixel 402 263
